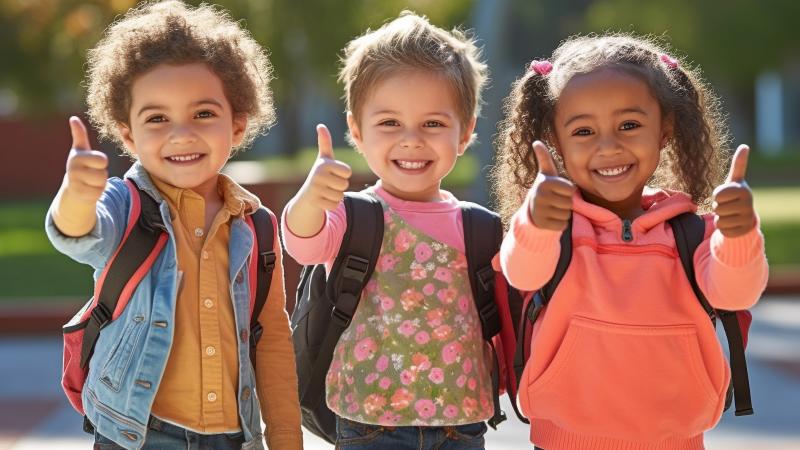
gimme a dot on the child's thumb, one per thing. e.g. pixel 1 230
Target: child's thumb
pixel 547 166
pixel 324 142
pixel 80 137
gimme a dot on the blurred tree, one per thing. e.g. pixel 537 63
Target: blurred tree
pixel 732 39
pixel 43 43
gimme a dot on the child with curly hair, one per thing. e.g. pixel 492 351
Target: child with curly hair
pixel 612 139
pixel 180 89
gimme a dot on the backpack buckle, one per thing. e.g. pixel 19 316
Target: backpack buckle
pixel 486 277
pixel 355 268
pixel 267 260
pixel 255 334
pixel 490 322
pixel 340 318
pixel 100 315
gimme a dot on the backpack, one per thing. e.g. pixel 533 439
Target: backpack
pixel 325 308
pixel 144 238
pixel 689 230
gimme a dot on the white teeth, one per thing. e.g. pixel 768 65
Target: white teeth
pixel 411 165
pixel 184 158
pixel 611 171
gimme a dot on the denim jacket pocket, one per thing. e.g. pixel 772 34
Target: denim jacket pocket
pixel 120 357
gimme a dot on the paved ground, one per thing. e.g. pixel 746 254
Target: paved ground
pixel 34 414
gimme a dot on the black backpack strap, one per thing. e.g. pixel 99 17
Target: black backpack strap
pixel 131 254
pixel 539 299
pixel 483 233
pixel 352 268
pixel 265 239
pixel 689 231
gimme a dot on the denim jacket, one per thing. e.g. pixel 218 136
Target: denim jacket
pixel 131 352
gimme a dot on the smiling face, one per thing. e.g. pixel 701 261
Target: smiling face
pixel 181 126
pixel 410 133
pixel 609 132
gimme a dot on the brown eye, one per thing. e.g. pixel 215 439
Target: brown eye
pixel 629 126
pixel 156 119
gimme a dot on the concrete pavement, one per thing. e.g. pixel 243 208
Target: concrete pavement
pixel 34 414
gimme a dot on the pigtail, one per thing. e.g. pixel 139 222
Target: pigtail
pixel 694 156
pixel 527 116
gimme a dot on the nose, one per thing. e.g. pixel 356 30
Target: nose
pixel 609 145
pixel 411 139
pixel 182 134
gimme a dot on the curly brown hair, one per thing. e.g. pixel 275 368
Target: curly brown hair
pixel 411 42
pixel 692 159
pixel 172 32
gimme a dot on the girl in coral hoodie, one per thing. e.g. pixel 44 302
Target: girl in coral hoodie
pixel 619 137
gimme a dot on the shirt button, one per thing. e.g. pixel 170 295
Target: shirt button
pixel 210 351
pixel 205 254
pixel 212 397
pixel 245 393
pixel 208 303
pixel 239 277
pixel 198 232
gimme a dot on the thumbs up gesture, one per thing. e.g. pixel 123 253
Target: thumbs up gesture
pixel 551 206
pixel 328 178
pixel 87 169
pixel 733 200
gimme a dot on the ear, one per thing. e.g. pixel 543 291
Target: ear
pixel 239 127
pixel 124 131
pixel 355 132
pixel 667 130
pixel 466 136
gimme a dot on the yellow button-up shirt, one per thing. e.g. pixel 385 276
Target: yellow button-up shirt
pixel 200 384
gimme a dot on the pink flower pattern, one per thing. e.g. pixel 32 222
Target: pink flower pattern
pixel 413 355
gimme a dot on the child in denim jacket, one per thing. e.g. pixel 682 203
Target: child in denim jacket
pixel 181 88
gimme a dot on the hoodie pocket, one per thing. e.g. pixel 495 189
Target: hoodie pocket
pixel 644 383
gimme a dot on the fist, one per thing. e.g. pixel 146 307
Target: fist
pixel 551 205
pixel 328 179
pixel 733 200
pixel 87 169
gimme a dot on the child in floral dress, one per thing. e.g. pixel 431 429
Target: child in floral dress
pixel 412 370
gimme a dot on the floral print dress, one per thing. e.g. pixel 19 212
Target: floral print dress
pixel 413 354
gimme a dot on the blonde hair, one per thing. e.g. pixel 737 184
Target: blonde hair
pixel 410 42
pixel 172 32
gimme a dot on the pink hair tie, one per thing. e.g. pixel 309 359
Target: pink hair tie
pixel 671 62
pixel 541 67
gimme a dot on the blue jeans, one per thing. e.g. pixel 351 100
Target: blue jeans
pixel 165 436
pixel 358 436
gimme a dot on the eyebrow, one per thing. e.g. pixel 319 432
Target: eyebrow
pixel 155 106
pixel 618 112
pixel 391 111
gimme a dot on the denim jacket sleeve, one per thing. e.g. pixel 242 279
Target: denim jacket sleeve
pixel 96 247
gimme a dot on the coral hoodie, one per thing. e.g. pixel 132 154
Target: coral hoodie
pixel 624 357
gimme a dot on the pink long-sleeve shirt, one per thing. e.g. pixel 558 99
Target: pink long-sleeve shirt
pixel 624 356
pixel 439 219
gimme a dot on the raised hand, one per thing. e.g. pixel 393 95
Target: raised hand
pixel 75 206
pixel 328 178
pixel 733 200
pixel 322 191
pixel 87 169
pixel 551 206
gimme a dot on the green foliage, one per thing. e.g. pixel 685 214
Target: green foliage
pixel 733 40
pixel 46 41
